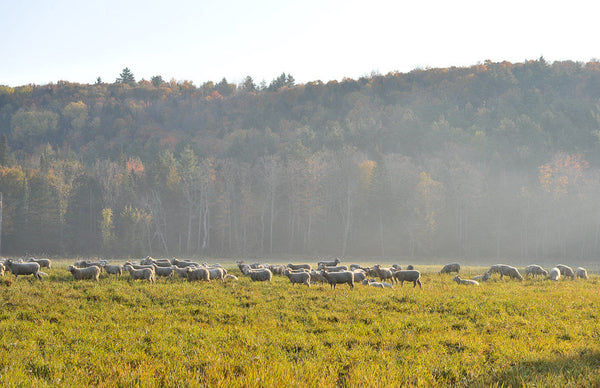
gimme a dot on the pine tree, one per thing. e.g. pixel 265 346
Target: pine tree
pixel 126 77
pixel 4 151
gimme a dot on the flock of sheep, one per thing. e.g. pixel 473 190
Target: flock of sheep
pixel 512 272
pixel 330 272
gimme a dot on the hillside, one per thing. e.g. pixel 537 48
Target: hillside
pixel 497 160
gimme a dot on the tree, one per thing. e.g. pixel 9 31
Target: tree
pixel 4 151
pixel 157 80
pixel 248 85
pixel 126 77
pixel 282 81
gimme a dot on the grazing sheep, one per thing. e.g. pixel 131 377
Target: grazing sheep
pixel 24 269
pixel 384 273
pixel 373 283
pixel 164 272
pixel 113 269
pixel 183 264
pixel 334 278
pixel 356 266
pixel 482 278
pixel 535 270
pixel 554 274
pixel 466 282
pixel 333 263
pixel 566 271
pixel 260 275
pixel 408 276
pixel 581 273
pixel 410 267
pixel 449 268
pixel 92 273
pixel 85 264
pixel 216 273
pixel 230 277
pixel 299 266
pixel 505 270
pixel 197 274
pixel 140 274
pixel 44 263
pixel 359 275
pixel 298 277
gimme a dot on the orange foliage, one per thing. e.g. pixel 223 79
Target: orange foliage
pixel 135 166
pixel 562 173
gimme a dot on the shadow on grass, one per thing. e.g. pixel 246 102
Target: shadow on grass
pixel 581 369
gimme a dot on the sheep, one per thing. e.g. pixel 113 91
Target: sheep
pixel 144 273
pixel 276 269
pixel 359 275
pixel 147 261
pixel 466 282
pixel 24 269
pixel 566 271
pixel 356 266
pixel 183 264
pixel 2 269
pixel 260 275
pixel 505 270
pixel 298 277
pixel 535 270
pixel 216 273
pixel 396 267
pixel 197 274
pixel 373 283
pixel 554 274
pixel 316 277
pixel 299 266
pixel 410 267
pixel 339 268
pixel 181 272
pixel 581 273
pixel 230 277
pixel 334 278
pixel 165 272
pixel 44 263
pixel 333 263
pixel 449 268
pixel 113 269
pixel 92 273
pixel 409 276
pixel 384 273
pixel 482 278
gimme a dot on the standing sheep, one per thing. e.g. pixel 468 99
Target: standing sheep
pixel 409 276
pixel 92 273
pixel 333 263
pixel 581 273
pixel 565 270
pixel 44 263
pixel 197 274
pixel 449 268
pixel 554 274
pixel 334 278
pixel 384 273
pixel 298 277
pixel 299 266
pixel 140 274
pixel 24 269
pixel 505 270
pixel 113 269
pixel 260 275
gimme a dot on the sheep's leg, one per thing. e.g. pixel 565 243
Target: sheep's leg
pixel 420 286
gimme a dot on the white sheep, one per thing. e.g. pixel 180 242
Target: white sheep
pixel 260 275
pixel 408 276
pixel 505 270
pixel 339 268
pixel 182 273
pixel 535 270
pixel 384 273
pixel 335 278
pixel 92 272
pixel 482 278
pixel 194 273
pixel 359 275
pixel 316 277
pixel 165 272
pixel 277 269
pixel 554 274
pixel 581 273
pixel 565 270
pixel 466 282
pixel 373 283
pixel 230 277
pixel 113 269
pixel 333 263
pixel 298 277
pixel 299 266
pixel 24 269
pixel 141 274
pixel 44 263
pixel 451 267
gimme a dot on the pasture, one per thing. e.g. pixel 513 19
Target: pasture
pixel 120 332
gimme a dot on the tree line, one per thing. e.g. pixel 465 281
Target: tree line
pixel 493 160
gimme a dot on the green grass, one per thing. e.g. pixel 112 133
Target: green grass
pixel 124 333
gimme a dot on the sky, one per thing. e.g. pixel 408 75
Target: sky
pixel 45 41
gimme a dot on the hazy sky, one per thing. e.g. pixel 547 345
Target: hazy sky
pixel 79 40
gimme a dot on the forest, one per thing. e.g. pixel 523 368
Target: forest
pixel 492 161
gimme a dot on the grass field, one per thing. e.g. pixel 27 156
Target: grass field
pixel 124 333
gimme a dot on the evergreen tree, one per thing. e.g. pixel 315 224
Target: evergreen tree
pixel 126 77
pixel 4 151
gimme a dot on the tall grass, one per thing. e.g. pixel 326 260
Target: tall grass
pixel 120 332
